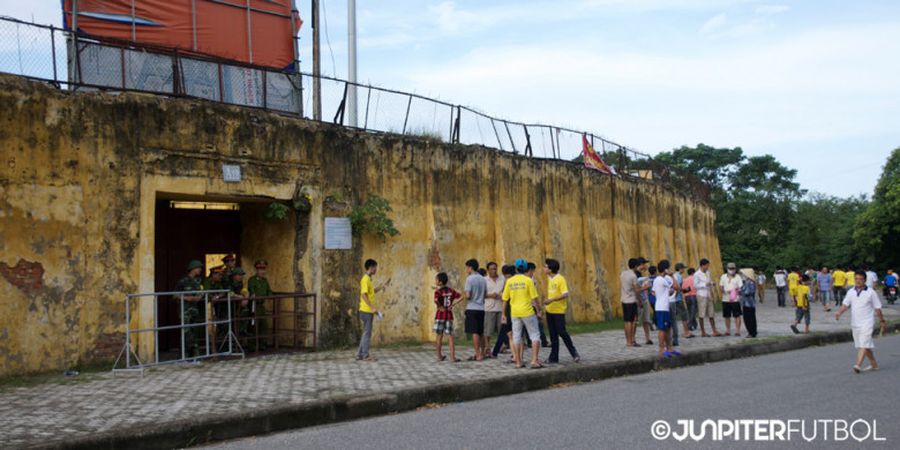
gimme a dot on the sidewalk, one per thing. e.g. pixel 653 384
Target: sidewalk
pixel 276 392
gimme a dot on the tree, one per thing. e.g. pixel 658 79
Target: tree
pixel 878 227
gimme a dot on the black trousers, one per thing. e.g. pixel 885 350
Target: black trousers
pixel 557 325
pixel 781 290
pixel 750 320
pixel 503 338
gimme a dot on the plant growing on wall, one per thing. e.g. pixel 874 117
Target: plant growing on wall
pixel 277 211
pixel 371 217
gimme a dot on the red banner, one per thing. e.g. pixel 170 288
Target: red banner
pixel 592 160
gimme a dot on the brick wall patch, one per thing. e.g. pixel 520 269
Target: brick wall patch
pixel 27 276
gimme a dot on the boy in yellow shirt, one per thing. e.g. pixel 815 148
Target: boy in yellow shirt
pixel 801 297
pixel 368 308
pixel 840 285
pixel 557 297
pixel 793 279
pixel 522 296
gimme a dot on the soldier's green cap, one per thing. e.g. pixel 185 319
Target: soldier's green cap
pixel 195 264
pixel 238 271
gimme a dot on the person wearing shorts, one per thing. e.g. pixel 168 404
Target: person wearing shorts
pixel 522 296
pixel 801 299
pixel 864 305
pixel 493 307
pixel 731 295
pixel 629 293
pixel 474 292
pixel 663 287
pixel 445 298
pixel 705 304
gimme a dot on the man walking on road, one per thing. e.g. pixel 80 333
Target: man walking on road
pixel 824 288
pixel 781 286
pixel 864 304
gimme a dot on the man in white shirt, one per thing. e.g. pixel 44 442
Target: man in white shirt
pixel 731 295
pixel 493 306
pixel 781 285
pixel 663 289
pixel 864 305
pixel 871 278
pixel 705 304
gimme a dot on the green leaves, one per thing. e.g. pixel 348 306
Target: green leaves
pixel 878 227
pixel 371 217
pixel 277 211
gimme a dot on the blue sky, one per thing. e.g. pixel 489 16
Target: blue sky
pixel 815 83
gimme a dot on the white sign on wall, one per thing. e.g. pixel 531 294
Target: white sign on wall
pixel 231 173
pixel 338 233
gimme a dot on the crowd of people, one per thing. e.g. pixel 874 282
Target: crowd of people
pixel 508 305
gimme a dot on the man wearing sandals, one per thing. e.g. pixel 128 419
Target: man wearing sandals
pixel 864 305
pixel 522 297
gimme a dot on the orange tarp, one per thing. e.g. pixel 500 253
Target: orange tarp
pixel 222 26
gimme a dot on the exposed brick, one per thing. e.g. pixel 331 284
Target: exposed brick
pixel 27 276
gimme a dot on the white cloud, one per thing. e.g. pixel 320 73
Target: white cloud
pixel 772 9
pixel 714 23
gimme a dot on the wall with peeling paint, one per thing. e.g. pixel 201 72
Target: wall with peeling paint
pixel 81 173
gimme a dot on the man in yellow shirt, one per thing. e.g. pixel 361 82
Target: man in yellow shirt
pixel 801 297
pixel 793 280
pixel 522 296
pixel 368 308
pixel 557 297
pixel 840 285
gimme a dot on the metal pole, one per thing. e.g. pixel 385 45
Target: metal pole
pixel 127 332
pixel 295 13
pixel 73 41
pixel 249 33
pixel 317 64
pixel 206 321
pixel 181 302
pixel 133 30
pixel 156 327
pixel 351 65
pixel 194 23
pixel 230 332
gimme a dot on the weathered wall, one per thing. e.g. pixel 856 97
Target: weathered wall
pixel 80 175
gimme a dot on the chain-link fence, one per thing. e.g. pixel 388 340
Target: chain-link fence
pixel 82 62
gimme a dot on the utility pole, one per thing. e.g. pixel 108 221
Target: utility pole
pixel 317 63
pixel 351 66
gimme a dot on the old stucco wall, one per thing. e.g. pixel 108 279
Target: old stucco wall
pixel 80 175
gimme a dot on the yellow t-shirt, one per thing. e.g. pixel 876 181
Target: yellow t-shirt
pixel 556 287
pixel 793 280
pixel 840 278
pixel 368 289
pixel 802 296
pixel 519 291
pixel 850 278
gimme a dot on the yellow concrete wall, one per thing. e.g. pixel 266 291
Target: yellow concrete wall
pixel 80 174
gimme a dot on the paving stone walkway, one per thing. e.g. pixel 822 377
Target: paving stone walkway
pixel 53 413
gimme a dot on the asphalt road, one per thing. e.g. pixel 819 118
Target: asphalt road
pixel 806 385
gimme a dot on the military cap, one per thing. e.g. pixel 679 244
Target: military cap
pixel 217 269
pixel 195 264
pixel 237 271
pixel 229 257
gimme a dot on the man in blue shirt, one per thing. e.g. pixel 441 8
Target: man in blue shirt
pixel 890 281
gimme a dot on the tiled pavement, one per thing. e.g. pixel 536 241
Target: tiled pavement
pixel 53 413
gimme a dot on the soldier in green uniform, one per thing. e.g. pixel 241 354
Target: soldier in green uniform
pixel 229 262
pixel 215 282
pixel 241 306
pixel 191 305
pixel 258 286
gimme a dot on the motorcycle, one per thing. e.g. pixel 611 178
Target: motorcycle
pixel 892 294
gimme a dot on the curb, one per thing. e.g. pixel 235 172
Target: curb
pixel 201 430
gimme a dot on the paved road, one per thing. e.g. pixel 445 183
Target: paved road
pixel 808 384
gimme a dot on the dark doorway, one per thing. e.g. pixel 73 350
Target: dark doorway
pixel 187 230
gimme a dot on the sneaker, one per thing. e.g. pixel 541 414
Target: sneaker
pixel 797 331
pixel 676 353
pixel 668 354
pixel 856 368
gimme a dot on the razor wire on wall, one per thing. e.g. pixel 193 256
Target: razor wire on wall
pixel 81 62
